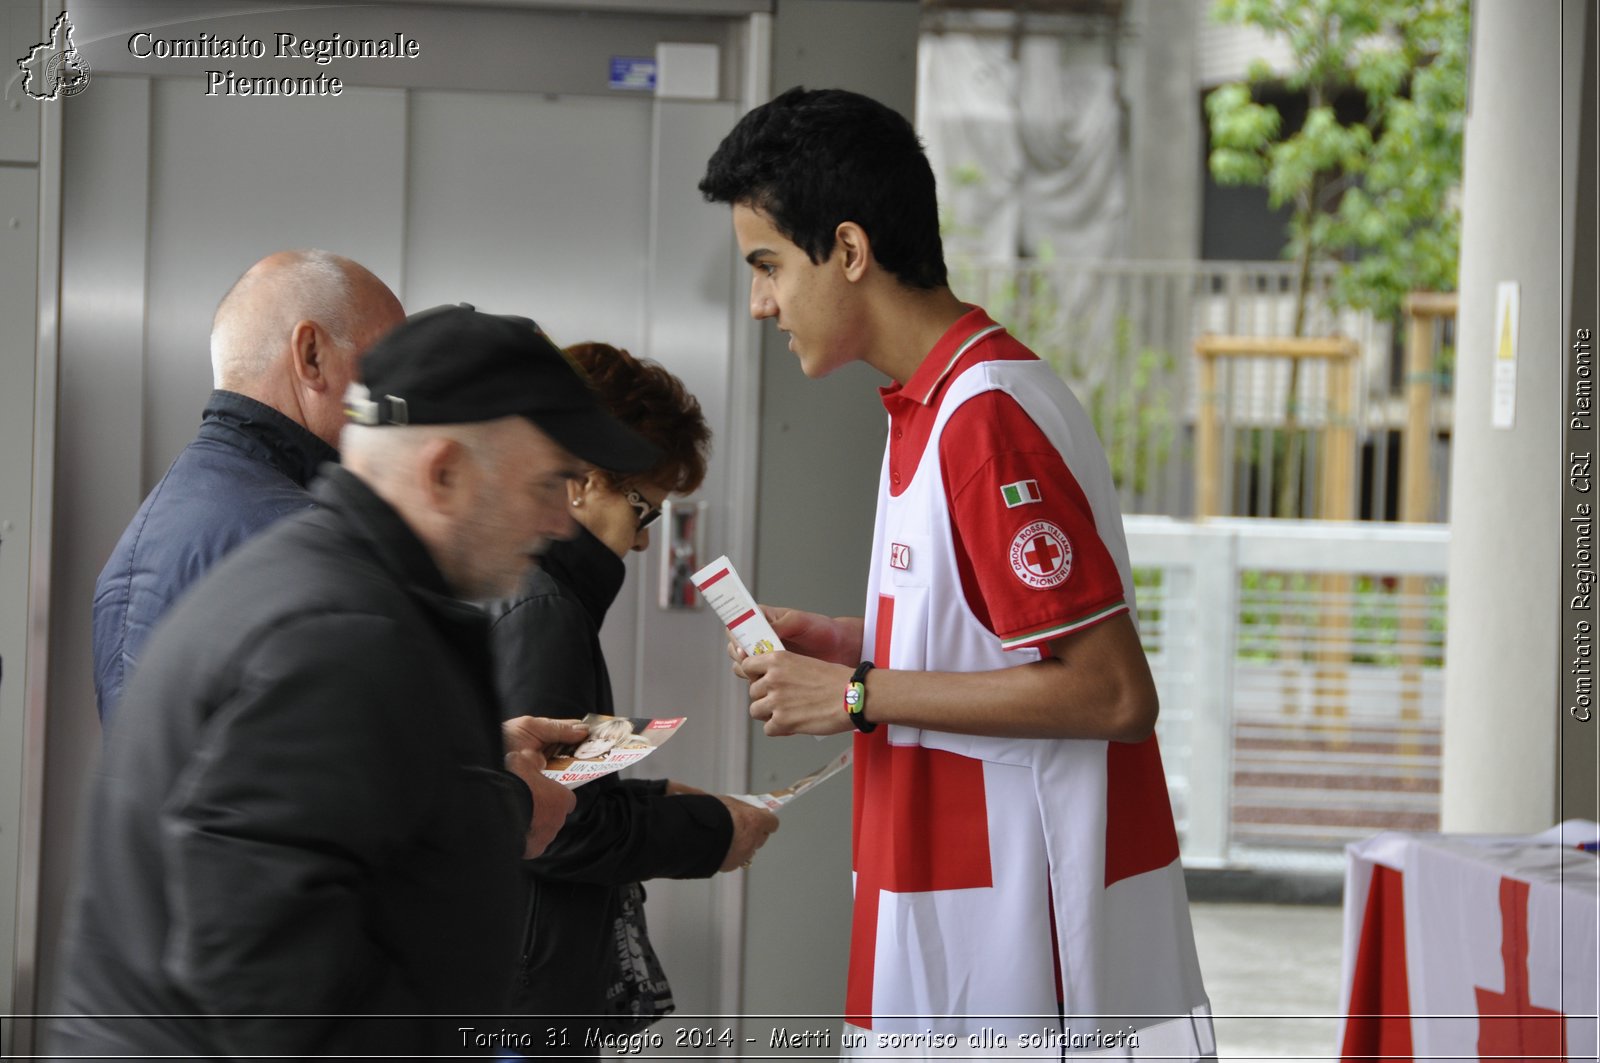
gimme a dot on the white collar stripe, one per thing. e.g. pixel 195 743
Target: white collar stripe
pixel 954 358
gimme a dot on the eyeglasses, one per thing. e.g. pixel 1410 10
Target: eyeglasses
pixel 647 512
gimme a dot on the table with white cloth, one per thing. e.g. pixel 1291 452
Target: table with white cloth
pixel 1472 946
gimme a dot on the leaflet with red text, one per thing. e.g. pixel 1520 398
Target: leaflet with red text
pixel 614 743
pixel 720 585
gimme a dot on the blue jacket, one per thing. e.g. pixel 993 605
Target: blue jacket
pixel 248 466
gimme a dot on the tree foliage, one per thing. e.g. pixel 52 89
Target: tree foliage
pixel 1378 194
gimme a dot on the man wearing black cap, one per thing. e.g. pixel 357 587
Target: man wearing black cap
pixel 305 822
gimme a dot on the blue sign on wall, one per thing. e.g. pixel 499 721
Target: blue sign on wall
pixel 633 72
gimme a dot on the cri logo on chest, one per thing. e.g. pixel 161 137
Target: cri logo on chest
pixel 899 556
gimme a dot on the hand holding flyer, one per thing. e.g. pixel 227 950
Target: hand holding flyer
pixel 720 585
pixel 614 743
pixel 776 799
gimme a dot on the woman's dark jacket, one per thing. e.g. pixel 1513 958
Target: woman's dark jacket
pixel 548 662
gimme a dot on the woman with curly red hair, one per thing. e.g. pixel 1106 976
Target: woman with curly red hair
pixel 585 952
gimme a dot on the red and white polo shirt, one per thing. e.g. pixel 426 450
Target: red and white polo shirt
pixel 1001 880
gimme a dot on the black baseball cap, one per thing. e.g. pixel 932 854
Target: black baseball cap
pixel 458 365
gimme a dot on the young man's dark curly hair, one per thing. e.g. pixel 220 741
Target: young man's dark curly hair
pixel 811 159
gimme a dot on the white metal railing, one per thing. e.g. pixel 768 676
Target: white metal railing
pixel 1122 333
pixel 1300 667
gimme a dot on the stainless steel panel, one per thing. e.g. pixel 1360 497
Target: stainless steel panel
pixel 22 26
pixel 19 236
pixel 235 181
pixel 680 662
pixel 102 255
pixel 531 205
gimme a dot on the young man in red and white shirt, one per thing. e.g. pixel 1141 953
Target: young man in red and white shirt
pixel 1016 863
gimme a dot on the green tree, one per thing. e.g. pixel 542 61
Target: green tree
pixel 1377 195
pixel 1380 191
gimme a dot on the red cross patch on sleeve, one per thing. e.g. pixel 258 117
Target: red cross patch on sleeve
pixel 1041 555
pixel 1032 572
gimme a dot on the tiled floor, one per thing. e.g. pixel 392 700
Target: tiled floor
pixel 1272 972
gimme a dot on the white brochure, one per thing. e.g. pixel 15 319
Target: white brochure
pixel 720 585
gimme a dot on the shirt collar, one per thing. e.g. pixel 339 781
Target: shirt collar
pixel 925 384
pixel 287 445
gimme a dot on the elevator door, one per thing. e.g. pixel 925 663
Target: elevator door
pixel 576 209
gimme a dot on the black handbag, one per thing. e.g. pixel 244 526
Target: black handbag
pixel 637 992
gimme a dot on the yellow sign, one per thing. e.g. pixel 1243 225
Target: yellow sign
pixel 1503 401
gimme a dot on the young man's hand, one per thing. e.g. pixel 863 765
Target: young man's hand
pixel 796 695
pixel 827 638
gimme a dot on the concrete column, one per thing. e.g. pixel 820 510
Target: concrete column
pixel 1165 135
pixel 821 448
pixel 1501 705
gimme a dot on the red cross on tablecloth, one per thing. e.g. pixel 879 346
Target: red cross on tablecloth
pixel 1509 1026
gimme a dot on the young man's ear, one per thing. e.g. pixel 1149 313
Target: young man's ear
pixel 850 240
pixel 309 350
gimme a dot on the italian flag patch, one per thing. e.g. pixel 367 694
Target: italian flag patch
pixel 1020 493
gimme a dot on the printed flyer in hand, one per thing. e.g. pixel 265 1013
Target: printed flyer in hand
pixel 614 743
pixel 721 586
pixel 775 800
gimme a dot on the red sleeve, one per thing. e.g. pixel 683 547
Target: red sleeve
pixel 1032 564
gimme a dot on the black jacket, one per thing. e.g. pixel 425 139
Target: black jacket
pixel 548 662
pixel 247 468
pixel 301 810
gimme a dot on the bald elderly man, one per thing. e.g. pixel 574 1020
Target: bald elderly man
pixel 285 344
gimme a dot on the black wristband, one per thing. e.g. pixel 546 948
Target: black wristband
pixel 855 699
